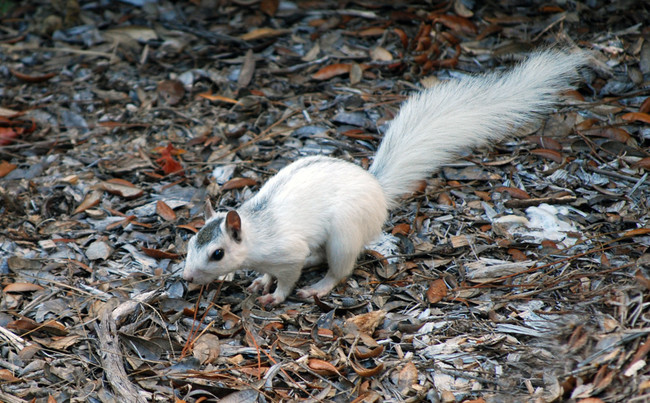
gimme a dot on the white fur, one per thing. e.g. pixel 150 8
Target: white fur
pixel 325 207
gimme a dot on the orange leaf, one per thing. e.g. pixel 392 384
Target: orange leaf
pixel 363 353
pixel 122 188
pixel 636 232
pixel 643 163
pixel 22 287
pixel 262 33
pixel 322 367
pixel 402 229
pixel 7 134
pixel 238 183
pixel 445 199
pixel 367 372
pixel 160 254
pixel 332 70
pixel 645 106
pixel 7 376
pixel 548 154
pixel 164 211
pixel 5 168
pixel 32 79
pixel 91 200
pixel 514 192
pixel 437 291
pixel 408 376
pixel 456 23
pixel 636 116
pixel 373 31
pixel 221 98
pixel 517 255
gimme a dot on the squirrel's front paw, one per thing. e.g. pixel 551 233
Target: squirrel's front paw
pixel 270 299
pixel 262 283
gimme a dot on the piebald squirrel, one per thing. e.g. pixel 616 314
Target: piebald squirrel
pixel 321 208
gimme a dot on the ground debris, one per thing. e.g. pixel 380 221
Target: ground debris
pixel 518 273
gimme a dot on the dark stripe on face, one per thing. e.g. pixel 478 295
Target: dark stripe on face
pixel 209 232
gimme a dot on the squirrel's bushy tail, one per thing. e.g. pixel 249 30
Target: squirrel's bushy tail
pixel 437 123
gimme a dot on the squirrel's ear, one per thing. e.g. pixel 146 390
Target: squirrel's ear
pixel 233 225
pixel 208 211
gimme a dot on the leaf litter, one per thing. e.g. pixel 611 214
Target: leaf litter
pixel 518 273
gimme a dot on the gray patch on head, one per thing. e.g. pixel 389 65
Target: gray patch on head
pixel 209 232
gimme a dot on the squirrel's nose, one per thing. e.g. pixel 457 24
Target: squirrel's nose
pixel 188 277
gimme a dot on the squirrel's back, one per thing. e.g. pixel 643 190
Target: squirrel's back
pixel 435 124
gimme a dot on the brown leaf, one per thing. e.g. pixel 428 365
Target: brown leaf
pixel 160 254
pixel 91 200
pixel 636 232
pixel 408 376
pixel 122 188
pixel 514 192
pixel 261 33
pixel 221 98
pixel 367 372
pixel 643 163
pixel 402 37
pixel 372 31
pixel 643 280
pixel 322 367
pixel 517 255
pixel 367 322
pixel 545 142
pixel 164 211
pixel 238 183
pixel 402 229
pixel 332 70
pixel 362 352
pixel 269 7
pixel 247 70
pixel 170 91
pixel 32 79
pixel 548 154
pixel 614 133
pixel 437 291
pixel 645 106
pixel 22 287
pixel 7 376
pixel 207 349
pixel 445 199
pixel 5 168
pixel 636 117
pixel 456 23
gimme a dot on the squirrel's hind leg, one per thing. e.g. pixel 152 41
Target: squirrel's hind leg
pixel 342 253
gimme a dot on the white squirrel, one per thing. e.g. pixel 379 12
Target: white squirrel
pixel 325 208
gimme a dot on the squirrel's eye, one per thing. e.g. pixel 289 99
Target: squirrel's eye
pixel 217 254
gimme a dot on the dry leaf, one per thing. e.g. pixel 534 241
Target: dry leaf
pixel 238 183
pixel 207 348
pixel 408 376
pixel 159 254
pixel 548 154
pixel 32 79
pixel 7 376
pixel 262 33
pixel 514 192
pixel 122 188
pixel 91 200
pixel 322 367
pixel 437 291
pixel 164 211
pixel 170 91
pixel 367 322
pixel 636 117
pixel 22 287
pixel 221 98
pixel 5 168
pixel 332 71
pixel 402 229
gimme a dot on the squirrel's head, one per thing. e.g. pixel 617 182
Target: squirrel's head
pixel 217 249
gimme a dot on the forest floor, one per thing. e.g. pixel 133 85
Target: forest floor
pixel 119 119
